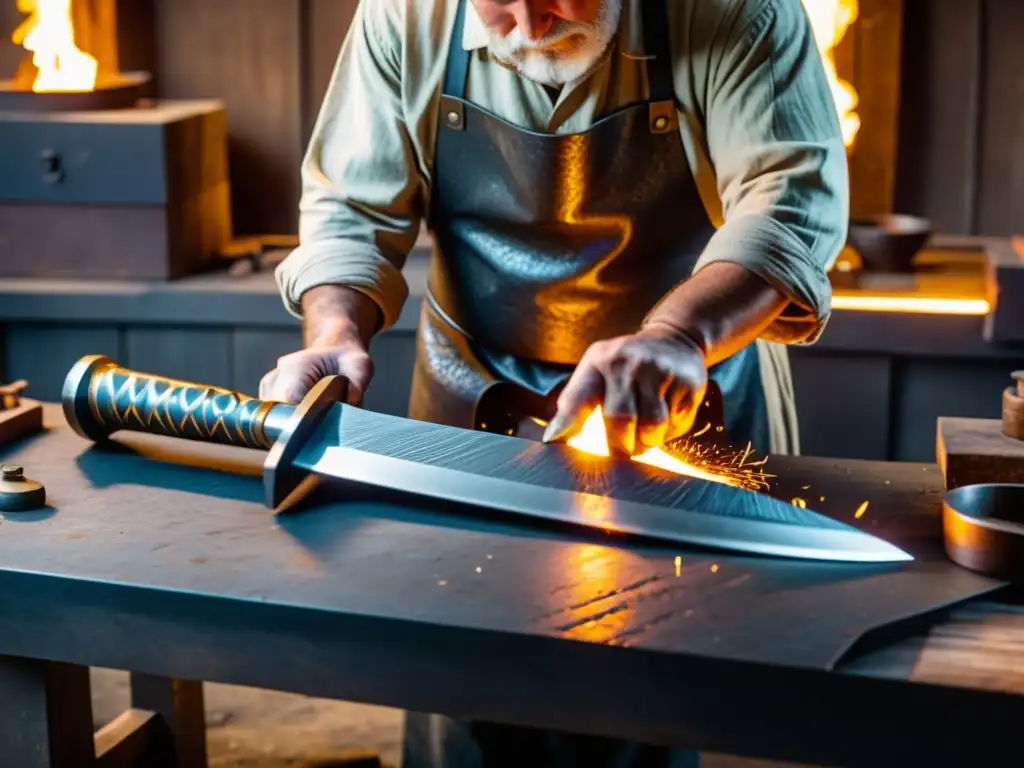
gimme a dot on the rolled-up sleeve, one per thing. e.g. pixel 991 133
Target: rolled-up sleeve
pixel 360 209
pixel 775 141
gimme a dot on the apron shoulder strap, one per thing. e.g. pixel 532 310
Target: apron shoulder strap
pixel 658 49
pixel 457 68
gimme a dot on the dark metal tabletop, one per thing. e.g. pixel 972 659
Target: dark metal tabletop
pixel 158 556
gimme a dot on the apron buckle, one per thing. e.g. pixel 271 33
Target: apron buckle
pixel 662 117
pixel 453 112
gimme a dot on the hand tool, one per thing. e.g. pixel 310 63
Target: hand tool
pixel 487 471
pixel 1013 407
pixel 19 416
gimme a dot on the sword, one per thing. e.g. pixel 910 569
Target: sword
pixel 323 436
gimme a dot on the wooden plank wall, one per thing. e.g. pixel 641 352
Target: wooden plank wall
pixel 270 60
pixel 960 143
pixel 10 56
pixel 869 57
pixel 961 155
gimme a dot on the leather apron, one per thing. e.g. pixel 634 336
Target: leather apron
pixel 544 245
pixel 547 243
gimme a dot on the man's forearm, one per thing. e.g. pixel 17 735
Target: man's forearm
pixel 334 312
pixel 723 308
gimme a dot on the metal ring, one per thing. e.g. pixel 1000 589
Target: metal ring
pixel 983 529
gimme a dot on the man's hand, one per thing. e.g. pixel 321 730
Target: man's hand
pixel 649 386
pixel 296 373
pixel 339 323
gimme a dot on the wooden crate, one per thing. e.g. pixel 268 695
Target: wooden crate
pixel 972 451
pixel 19 422
pixel 138 194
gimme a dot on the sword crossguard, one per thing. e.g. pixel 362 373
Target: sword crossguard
pixel 100 398
pixel 280 475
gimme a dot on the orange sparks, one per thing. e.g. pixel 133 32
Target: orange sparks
pixel 691 458
pixel 830 19
pixel 682 457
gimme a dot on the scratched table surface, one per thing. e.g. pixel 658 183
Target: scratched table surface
pixel 157 555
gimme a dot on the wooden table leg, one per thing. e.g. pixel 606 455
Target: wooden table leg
pixel 179 703
pixel 45 714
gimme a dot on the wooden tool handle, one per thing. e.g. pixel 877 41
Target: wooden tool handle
pixel 1013 408
pixel 100 398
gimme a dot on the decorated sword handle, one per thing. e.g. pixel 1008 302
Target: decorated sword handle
pixel 100 398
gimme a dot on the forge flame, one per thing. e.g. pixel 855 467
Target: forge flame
pixel 830 20
pixel 49 35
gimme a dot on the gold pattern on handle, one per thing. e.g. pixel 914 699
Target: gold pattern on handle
pixel 123 399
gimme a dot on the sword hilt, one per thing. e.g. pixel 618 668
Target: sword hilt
pixel 101 398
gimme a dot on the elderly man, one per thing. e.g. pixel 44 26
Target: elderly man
pixel 626 197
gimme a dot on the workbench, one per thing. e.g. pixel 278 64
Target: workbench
pixel 400 605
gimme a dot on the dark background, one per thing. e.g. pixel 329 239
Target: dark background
pixel 871 388
pixel 961 119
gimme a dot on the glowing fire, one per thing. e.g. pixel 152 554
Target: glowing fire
pixel 689 459
pixel 49 35
pixel 830 20
pixel 911 304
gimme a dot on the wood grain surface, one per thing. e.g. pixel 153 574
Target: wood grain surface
pixel 972 451
pixel 20 421
pixel 869 58
pixel 248 53
pixel 979 645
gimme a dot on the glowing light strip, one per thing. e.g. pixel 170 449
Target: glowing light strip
pixel 911 304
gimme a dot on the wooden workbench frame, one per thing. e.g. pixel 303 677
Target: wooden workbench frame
pixel 47 720
pixel 806 716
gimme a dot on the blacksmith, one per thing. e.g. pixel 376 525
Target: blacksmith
pixel 626 197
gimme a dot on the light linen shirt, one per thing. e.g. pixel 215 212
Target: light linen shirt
pixel 757 122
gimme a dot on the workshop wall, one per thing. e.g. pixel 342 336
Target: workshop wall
pixel 268 60
pixel 960 155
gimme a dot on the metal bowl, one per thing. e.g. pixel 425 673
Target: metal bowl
pixel 983 529
pixel 888 243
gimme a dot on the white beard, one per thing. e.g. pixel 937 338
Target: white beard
pixel 583 46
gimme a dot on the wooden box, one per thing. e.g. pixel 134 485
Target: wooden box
pixel 24 419
pixel 135 194
pixel 972 451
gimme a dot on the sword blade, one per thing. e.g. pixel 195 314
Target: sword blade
pixel 558 483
